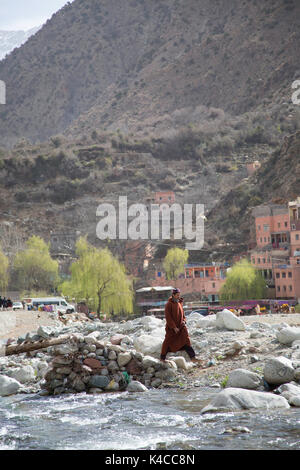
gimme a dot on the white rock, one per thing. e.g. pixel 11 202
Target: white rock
pixel 242 378
pixel 149 361
pixel 288 335
pixel 226 319
pixel 279 370
pixel 295 400
pixel 135 386
pixel 179 361
pixel 148 345
pixel 23 374
pixel 240 399
pixel 8 386
pixel 289 391
pixel 45 331
pixel 152 322
pixel 112 355
pixel 124 358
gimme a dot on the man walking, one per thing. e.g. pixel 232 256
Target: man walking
pixel 177 337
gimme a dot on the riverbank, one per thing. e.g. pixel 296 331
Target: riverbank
pixel 247 345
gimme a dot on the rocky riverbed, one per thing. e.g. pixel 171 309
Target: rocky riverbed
pixel 251 362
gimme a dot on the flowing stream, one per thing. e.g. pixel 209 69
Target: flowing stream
pixel 158 419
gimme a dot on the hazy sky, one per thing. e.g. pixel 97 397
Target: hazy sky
pixel 25 14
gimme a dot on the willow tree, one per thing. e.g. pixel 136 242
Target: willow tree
pixel 34 267
pixel 174 262
pixel 243 282
pixel 99 278
pixel 4 274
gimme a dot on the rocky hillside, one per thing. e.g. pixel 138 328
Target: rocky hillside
pixel 277 181
pixel 142 65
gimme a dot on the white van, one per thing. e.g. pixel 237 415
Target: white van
pixel 59 302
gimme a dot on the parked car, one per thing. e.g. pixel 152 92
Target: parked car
pixel 17 306
pixel 203 311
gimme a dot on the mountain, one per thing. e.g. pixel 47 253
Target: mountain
pixel 142 66
pixel 277 181
pixel 9 40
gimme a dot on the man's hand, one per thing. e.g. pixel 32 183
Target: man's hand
pixel 176 330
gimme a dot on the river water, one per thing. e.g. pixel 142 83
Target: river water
pixel 158 419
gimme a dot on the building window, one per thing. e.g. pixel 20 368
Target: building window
pixel 278 224
pixel 277 275
pixel 291 288
pixel 264 260
pixel 278 288
pixel 290 274
pixel 258 227
pixel 297 236
pixel 260 239
pixel 266 228
pixel 214 284
pixel 253 260
pixel 284 275
pixel 258 260
pixel 284 288
pixel 285 224
pixel 265 239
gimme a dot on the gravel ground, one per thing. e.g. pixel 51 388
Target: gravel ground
pixel 14 324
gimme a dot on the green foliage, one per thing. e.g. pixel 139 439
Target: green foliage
pixel 34 267
pixel 99 279
pixel 243 282
pixel 4 275
pixel 174 262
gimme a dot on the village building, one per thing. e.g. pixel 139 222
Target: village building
pixel 277 251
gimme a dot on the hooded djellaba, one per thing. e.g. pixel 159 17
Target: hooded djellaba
pixel 177 336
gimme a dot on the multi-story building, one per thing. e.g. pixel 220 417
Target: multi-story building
pixel 277 251
pixel 202 281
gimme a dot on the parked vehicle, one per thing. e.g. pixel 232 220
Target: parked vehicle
pixel 17 306
pixel 59 302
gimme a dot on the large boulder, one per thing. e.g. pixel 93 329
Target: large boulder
pixel 226 319
pixel 288 335
pixel 242 378
pixel 22 374
pixel 149 345
pixel 239 399
pixel 278 370
pixel 8 386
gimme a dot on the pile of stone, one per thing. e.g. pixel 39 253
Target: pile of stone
pixel 86 364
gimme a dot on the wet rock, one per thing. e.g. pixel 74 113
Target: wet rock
pixel 8 386
pixel 135 386
pixel 240 399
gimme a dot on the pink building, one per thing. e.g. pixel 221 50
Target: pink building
pixel 277 252
pixel 162 197
pixel 200 279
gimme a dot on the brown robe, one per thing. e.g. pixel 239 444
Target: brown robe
pixel 175 317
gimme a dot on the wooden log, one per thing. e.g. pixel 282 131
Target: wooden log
pixel 35 345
